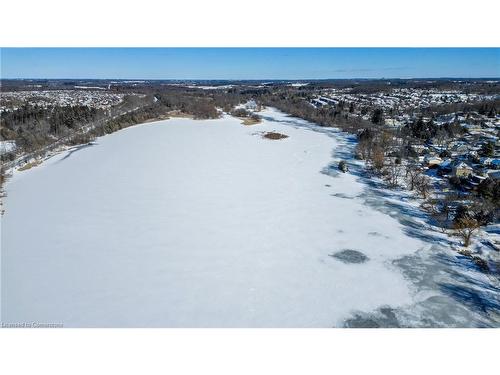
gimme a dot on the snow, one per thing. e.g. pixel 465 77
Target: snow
pixel 7 146
pixel 187 223
pixel 250 105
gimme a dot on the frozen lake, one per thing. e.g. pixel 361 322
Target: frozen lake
pixel 186 223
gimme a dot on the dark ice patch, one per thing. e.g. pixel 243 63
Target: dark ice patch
pixel 385 317
pixel 350 256
pixel 342 195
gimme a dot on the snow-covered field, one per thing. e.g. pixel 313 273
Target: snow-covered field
pixel 186 223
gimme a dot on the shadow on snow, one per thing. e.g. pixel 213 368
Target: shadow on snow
pixel 467 297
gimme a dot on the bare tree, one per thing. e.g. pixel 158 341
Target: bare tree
pixel 423 186
pixel 363 149
pixel 465 228
pixel 393 172
pixel 442 138
pixel 377 159
pixel 411 176
pixel 439 211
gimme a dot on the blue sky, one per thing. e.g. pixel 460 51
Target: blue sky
pixel 249 63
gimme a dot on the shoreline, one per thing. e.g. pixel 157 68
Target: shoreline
pixel 436 258
pixel 428 286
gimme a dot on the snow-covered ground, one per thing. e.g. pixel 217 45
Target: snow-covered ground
pixel 7 146
pixel 186 223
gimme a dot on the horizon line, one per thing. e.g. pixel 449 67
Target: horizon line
pixel 245 79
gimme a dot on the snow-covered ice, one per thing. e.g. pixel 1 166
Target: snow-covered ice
pixel 186 223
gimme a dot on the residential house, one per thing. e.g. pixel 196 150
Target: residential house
pixel 461 169
pixel 432 161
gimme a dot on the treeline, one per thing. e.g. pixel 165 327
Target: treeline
pixel 232 97
pixel 387 85
pixel 293 104
pixel 195 104
pixel 138 116
pixel 33 127
pixel 57 118
pixel 428 130
pixel 488 108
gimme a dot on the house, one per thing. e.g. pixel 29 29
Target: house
pixel 460 148
pixel 461 169
pixel 432 161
